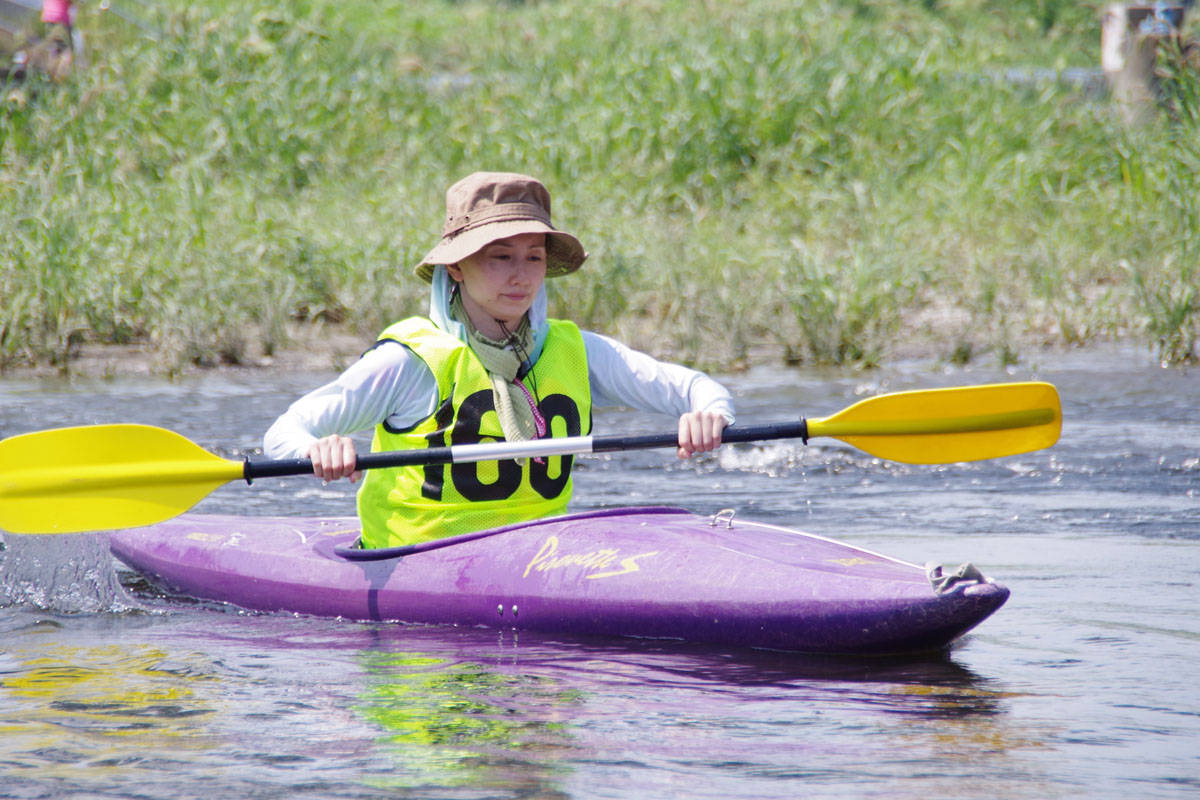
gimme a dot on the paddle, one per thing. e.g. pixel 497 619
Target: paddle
pixel 104 477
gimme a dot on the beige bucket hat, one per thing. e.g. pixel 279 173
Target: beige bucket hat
pixel 487 206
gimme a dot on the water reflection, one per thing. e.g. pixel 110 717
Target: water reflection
pixel 533 707
pixel 454 722
pixel 276 701
pixel 73 712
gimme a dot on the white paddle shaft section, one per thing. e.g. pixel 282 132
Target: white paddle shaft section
pixel 534 448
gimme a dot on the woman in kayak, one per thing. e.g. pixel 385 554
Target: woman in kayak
pixel 486 364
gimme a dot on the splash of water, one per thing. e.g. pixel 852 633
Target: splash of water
pixel 69 574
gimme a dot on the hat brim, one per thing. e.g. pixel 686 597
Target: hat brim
pixel 564 253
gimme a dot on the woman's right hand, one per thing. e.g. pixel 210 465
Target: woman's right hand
pixel 333 458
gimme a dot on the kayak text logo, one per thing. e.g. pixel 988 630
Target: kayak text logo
pixel 547 558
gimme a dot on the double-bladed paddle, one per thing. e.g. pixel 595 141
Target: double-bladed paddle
pixel 104 477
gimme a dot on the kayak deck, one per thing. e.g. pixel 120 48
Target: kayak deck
pixel 644 572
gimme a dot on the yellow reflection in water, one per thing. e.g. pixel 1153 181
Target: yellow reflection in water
pixel 968 721
pixel 74 695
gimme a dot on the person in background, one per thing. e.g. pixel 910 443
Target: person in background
pixel 57 50
pixel 486 364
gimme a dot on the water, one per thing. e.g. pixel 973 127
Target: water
pixel 1082 686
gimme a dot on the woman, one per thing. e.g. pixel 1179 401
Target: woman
pixel 486 364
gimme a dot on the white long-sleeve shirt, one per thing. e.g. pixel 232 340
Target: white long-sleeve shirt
pixel 390 383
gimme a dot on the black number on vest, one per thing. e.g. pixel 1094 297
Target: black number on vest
pixel 435 474
pixel 564 408
pixel 466 430
pixel 466 476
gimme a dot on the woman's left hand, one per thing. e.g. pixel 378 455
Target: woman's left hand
pixel 699 432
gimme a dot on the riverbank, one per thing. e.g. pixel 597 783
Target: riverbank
pixel 322 350
pixel 315 351
pixel 797 182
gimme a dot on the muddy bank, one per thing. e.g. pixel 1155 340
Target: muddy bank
pixel 326 349
pixel 311 351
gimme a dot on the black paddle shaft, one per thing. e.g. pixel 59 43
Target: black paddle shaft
pixel 797 429
pixel 737 433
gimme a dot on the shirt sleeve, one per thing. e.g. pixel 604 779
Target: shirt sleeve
pixel 388 383
pixel 621 376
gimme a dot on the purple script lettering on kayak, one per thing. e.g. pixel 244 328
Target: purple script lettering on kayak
pixel 547 558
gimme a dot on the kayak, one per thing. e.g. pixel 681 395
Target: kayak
pixel 662 573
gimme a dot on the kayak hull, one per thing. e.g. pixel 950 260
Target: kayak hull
pixel 646 572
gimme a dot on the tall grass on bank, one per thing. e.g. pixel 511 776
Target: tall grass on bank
pixel 1169 297
pixel 830 182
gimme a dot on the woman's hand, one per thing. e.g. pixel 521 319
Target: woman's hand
pixel 699 432
pixel 334 457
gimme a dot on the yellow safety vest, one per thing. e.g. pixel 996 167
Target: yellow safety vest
pixel 405 505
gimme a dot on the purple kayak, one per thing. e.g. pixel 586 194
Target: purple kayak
pixel 641 572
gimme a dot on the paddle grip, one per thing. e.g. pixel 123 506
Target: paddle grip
pixel 275 469
pixel 796 429
pixel 303 466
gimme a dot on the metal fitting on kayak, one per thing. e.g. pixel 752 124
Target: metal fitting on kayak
pixel 724 515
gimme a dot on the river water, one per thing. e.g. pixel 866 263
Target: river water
pixel 1083 685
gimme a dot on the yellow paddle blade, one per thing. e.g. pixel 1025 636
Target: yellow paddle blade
pixel 103 477
pixel 940 426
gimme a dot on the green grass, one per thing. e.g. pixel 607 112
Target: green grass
pixel 824 182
